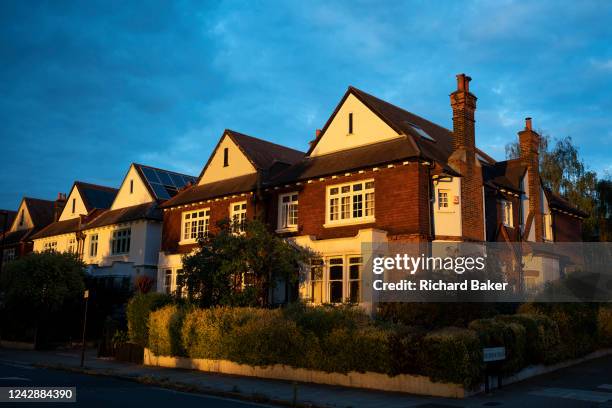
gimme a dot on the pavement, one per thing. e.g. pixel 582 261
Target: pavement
pixel 104 382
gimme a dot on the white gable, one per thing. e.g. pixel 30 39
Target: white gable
pixel 23 220
pixel 133 191
pixel 368 128
pixel 238 163
pixel 74 206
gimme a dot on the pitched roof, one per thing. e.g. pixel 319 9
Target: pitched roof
pixel 147 211
pixel 10 217
pixel 95 196
pixel 561 203
pixel 163 184
pixel 261 153
pixel 59 228
pixel 207 191
pixel 41 211
pixel 14 237
pixel 505 174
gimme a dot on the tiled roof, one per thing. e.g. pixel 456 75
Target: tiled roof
pixel 9 219
pixel 59 228
pixel 264 154
pixel 558 202
pixel 96 196
pixel 221 188
pixel 148 211
pixel 505 174
pixel 41 211
pixel 14 237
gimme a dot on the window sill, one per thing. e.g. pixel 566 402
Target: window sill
pixel 446 211
pixel 509 226
pixel 288 229
pixel 333 224
pixel 189 242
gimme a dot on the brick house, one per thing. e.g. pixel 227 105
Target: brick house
pixel 374 173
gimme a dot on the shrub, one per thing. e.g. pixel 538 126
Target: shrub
pixel 542 337
pixel 604 325
pixel 453 355
pixel 138 310
pixel 497 333
pixel 165 331
pixel 576 322
pixel 435 315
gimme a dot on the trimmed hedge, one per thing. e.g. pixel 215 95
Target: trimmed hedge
pixel 165 331
pixel 138 310
pixel 497 333
pixel 604 325
pixel 542 337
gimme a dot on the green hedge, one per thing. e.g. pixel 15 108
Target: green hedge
pixel 138 310
pixel 604 325
pixel 542 337
pixel 165 331
pixel 497 333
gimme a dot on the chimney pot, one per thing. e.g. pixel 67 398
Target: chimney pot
pixel 528 123
pixel 463 82
pixel 317 133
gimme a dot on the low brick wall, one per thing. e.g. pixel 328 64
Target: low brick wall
pixel 413 384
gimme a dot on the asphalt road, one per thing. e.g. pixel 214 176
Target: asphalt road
pixel 99 391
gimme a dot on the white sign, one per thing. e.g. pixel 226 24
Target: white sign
pixel 493 354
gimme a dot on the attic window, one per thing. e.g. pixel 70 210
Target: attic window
pixel 131 186
pixel 350 123
pixel 421 132
pixel 21 219
pixel 225 157
pixel 73 205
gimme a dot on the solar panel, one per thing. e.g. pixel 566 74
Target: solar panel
pixel 164 183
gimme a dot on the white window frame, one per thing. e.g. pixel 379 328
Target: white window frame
pixel 322 283
pixel 439 198
pixel 288 212
pixel 345 203
pixel 121 235
pixel 507 215
pixel 238 215
pixel 94 240
pixel 72 245
pixel 50 246
pixel 202 217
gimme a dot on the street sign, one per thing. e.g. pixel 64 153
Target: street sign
pixel 493 354
pixel 86 294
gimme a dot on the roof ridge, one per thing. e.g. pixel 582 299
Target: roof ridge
pixel 239 134
pixel 85 183
pixel 158 168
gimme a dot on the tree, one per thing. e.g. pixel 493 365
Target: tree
pixel 240 269
pixel 563 172
pixel 40 285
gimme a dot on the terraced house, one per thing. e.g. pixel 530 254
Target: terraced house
pixel 117 232
pixel 374 173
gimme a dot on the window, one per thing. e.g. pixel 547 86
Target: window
pixel 195 225
pixel 442 199
pixel 336 278
pixel 8 254
pixel 71 245
pixel 351 202
pixel 354 282
pixel 73 205
pixel 238 216
pixel 316 280
pixel 120 243
pixel 50 246
pixel 288 211
pixel 506 208
pixel 21 219
pixel 350 123
pixel 131 186
pixel 225 157
pixel 93 245
pixel 168 281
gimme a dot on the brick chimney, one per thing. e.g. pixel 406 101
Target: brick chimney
pixel 463 160
pixel 59 205
pixel 317 136
pixel 529 146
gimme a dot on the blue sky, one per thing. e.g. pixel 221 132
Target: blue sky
pixel 87 88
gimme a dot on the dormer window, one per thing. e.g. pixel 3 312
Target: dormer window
pixel 350 123
pixel 225 157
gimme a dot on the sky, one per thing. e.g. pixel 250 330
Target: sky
pixel 86 88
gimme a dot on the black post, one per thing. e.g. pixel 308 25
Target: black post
pixel 86 296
